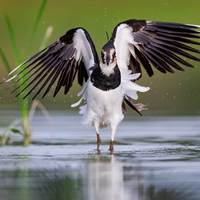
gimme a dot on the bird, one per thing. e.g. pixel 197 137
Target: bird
pixel 108 82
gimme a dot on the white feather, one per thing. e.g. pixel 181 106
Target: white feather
pixel 123 38
pixel 103 108
pixel 130 88
pixel 14 71
pixel 77 103
pixel 83 89
pixel 82 92
pixel 83 49
pixel 83 52
pixel 123 43
pixel 11 78
pixel 126 75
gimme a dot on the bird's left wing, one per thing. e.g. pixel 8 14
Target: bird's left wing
pixel 74 52
pixel 159 44
pixel 141 43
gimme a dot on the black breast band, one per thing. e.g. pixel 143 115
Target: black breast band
pixel 105 82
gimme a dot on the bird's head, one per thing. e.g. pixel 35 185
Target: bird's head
pixel 108 54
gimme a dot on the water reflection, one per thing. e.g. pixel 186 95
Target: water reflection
pixel 105 180
pixel 95 178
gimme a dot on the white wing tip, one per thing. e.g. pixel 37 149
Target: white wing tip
pixel 10 78
pixel 77 103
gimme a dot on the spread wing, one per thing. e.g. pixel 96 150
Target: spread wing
pixel 141 43
pixel 159 44
pixel 70 54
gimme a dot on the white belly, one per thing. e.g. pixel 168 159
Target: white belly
pixel 103 107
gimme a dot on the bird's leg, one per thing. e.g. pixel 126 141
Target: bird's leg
pixel 111 145
pixel 98 137
pixel 98 141
pixel 113 129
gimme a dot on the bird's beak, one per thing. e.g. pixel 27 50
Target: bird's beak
pixel 107 60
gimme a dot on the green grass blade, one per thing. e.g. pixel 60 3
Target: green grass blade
pixel 4 138
pixel 12 38
pixel 36 25
pixel 46 37
pixel 23 105
pixel 11 126
pixel 14 47
pixel 7 65
pixel 5 60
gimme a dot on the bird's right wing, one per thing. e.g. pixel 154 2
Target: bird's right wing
pixel 74 52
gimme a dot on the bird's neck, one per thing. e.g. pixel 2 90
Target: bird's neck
pixel 107 70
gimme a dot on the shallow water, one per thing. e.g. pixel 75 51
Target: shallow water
pixel 154 158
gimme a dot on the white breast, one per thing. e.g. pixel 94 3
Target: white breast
pixel 103 107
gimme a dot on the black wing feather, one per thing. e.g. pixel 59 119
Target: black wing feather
pixel 165 43
pixel 161 44
pixel 56 62
pixel 144 61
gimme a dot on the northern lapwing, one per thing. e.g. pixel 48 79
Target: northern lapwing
pixel 109 83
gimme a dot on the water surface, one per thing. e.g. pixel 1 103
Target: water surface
pixel 154 158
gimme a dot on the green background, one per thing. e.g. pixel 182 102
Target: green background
pixel 170 94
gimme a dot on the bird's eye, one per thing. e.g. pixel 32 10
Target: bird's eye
pixel 102 57
pixel 114 55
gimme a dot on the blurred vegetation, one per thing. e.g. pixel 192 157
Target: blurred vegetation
pixel 177 93
pixel 5 137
